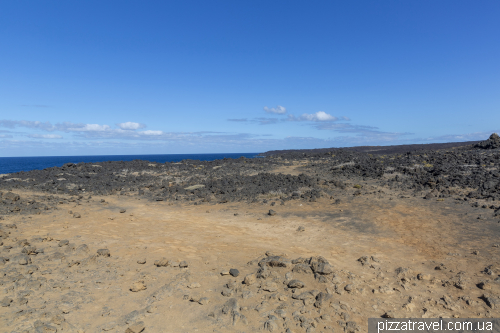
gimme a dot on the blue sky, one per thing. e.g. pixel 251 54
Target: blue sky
pixel 160 77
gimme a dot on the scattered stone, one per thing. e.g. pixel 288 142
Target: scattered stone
pixel 141 261
pixel 234 272
pixel 296 284
pixel 302 268
pixel 77 215
pixel 183 264
pixel 138 286
pixel 271 326
pixel 63 242
pixel 492 301
pixel 320 265
pixel 161 263
pixel 136 328
pixel 203 301
pixel 122 211
pixel 426 277
pixel 82 249
pixel 485 285
pixel 271 212
pixel 103 253
pixel 323 300
pixel 250 279
pixel 269 286
pixel 363 260
pixel 275 261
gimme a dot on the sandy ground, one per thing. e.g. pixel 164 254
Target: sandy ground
pixel 213 238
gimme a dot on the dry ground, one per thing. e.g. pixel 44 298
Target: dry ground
pixel 213 238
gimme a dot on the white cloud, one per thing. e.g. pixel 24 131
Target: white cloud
pixel 266 121
pixel 45 136
pixel 278 110
pixel 241 120
pixel 154 133
pixel 94 128
pixel 47 126
pixel 130 125
pixel 318 116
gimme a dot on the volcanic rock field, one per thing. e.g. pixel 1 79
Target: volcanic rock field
pixel 293 241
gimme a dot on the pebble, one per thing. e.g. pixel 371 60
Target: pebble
pixel 234 272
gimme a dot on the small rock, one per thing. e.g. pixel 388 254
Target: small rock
pixel 296 284
pixel 141 261
pixel 203 301
pixel 271 213
pixel 138 286
pixel 82 249
pixel 194 285
pixel 485 285
pixel 301 228
pixel 63 242
pixel 271 326
pixel 250 279
pixel 183 264
pixel 123 211
pixel 103 252
pixel 492 301
pixel 234 272
pixel 426 277
pixel 136 328
pixel 173 263
pixel 161 263
pixel 270 286
pixel 76 215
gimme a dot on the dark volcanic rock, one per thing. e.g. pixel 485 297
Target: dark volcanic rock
pixel 234 272
pixel 492 143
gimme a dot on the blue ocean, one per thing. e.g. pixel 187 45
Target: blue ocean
pixel 16 164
